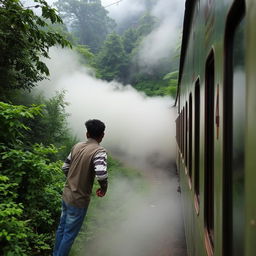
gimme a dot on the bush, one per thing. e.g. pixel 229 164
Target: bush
pixel 30 187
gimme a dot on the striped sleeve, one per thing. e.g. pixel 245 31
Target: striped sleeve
pixel 66 165
pixel 100 165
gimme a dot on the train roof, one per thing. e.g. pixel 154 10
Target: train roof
pixel 188 15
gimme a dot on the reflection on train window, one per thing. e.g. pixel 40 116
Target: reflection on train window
pixel 190 118
pixel 186 134
pixel 234 141
pixel 178 131
pixel 209 149
pixel 182 132
pixel 238 121
pixel 197 138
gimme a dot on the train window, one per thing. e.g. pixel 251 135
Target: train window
pixel 197 138
pixel 238 141
pixel 183 134
pixel 178 131
pixel 190 118
pixel 209 150
pixel 186 134
pixel 234 129
pixel 182 131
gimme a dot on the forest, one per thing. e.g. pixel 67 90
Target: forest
pixel 35 136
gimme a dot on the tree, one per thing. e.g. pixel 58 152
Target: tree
pixel 130 38
pixel 88 20
pixel 23 42
pixel 86 56
pixel 146 24
pixel 111 61
pixel 51 126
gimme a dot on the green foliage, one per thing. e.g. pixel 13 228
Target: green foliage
pixel 30 187
pixel 146 24
pixel 62 30
pixel 111 61
pixel 11 119
pixel 23 42
pixel 50 127
pixel 88 19
pixel 130 38
pixel 115 60
pixel 172 75
pixel 172 78
pixel 53 118
pixel 159 87
pixel 151 87
pixel 13 230
pixel 87 57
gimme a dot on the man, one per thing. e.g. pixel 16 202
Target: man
pixel 86 160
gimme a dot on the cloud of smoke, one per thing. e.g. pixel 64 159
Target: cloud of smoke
pixel 150 225
pixel 163 41
pixel 124 9
pixel 136 126
pixel 140 131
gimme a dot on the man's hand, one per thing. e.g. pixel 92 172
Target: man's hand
pixel 100 192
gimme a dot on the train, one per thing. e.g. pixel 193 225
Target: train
pixel 216 127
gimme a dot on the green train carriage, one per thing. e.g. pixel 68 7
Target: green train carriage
pixel 216 127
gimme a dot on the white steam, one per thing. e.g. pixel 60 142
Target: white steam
pixel 137 126
pixel 150 225
pixel 140 131
pixel 123 9
pixel 163 41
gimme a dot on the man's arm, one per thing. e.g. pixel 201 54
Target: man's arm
pixel 101 173
pixel 66 165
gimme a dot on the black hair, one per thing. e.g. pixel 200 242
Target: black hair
pixel 95 128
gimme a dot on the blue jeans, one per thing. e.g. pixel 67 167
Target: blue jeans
pixel 71 221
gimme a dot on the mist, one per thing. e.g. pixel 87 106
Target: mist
pixel 123 10
pixel 150 224
pixel 164 40
pixel 140 132
pixel 137 127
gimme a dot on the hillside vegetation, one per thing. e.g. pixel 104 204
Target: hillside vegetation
pixel 35 137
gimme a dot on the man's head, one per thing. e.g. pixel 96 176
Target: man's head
pixel 95 129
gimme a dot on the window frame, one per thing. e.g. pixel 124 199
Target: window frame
pixel 234 18
pixel 209 153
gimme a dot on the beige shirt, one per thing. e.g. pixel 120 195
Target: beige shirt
pixel 81 174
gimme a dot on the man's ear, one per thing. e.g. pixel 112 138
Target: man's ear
pixel 88 135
